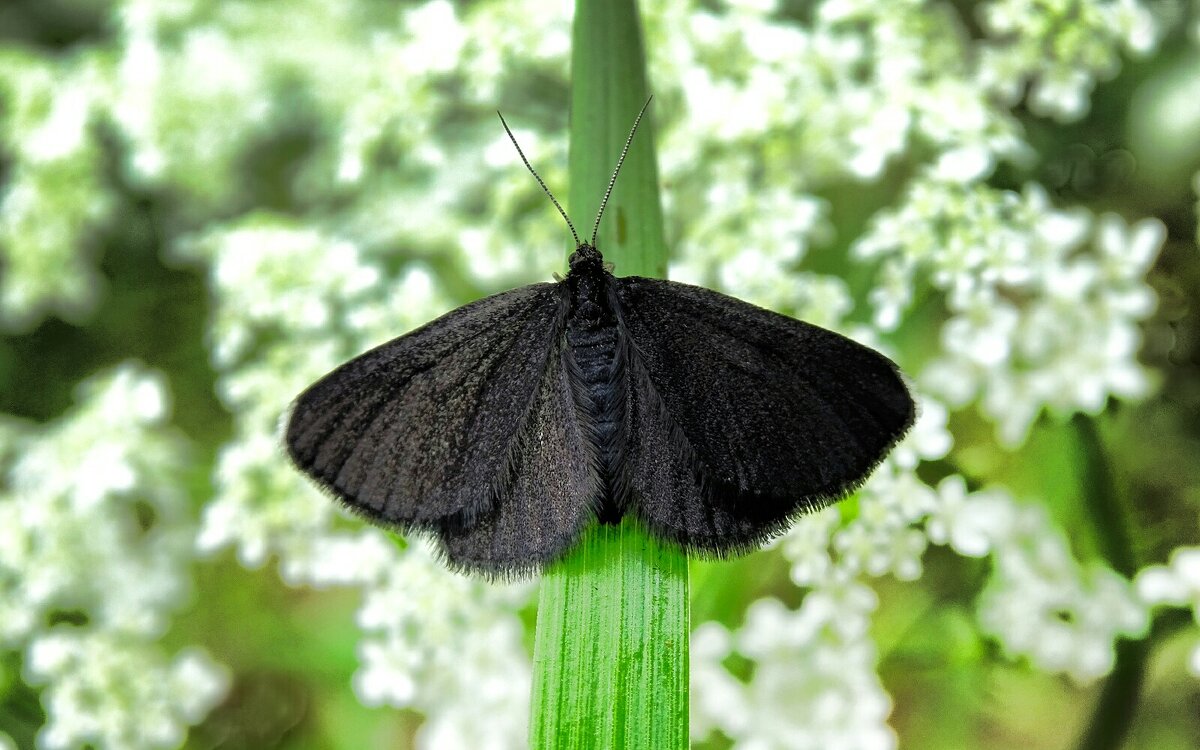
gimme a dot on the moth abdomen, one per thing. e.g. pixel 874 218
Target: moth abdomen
pixel 599 381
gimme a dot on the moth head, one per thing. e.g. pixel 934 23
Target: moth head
pixel 585 256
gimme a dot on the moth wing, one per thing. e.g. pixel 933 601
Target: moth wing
pixel 421 430
pixel 743 417
pixel 553 488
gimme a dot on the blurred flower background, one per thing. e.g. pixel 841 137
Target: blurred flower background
pixel 205 205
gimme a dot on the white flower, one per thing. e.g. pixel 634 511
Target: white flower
pixel 878 543
pixel 437 37
pixel 879 139
pixel 929 439
pixel 880 539
pixel 983 333
pixel 1175 584
pixel 718 699
pixel 965 164
pixel 806 546
pixel 971 524
pixel 1062 93
pixel 360 559
pixel 386 676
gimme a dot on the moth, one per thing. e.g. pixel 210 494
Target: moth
pixel 506 426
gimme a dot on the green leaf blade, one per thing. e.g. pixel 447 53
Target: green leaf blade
pixel 611 649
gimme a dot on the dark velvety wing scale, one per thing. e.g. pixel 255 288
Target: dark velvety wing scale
pixel 669 494
pixel 421 429
pixel 551 493
pixel 744 417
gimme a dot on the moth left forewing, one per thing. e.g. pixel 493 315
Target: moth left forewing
pixel 743 417
pixel 546 503
pixel 419 430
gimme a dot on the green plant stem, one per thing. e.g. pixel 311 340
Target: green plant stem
pixel 1117 705
pixel 611 650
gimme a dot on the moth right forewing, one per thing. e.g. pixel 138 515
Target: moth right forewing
pixel 675 493
pixel 420 428
pixel 779 416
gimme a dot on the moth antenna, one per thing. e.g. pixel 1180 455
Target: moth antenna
pixel 538 177
pixel 620 161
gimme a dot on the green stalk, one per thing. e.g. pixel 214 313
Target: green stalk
pixel 611 650
pixel 1115 709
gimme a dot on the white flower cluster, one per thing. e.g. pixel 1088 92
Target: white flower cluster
pixel 1044 303
pixel 813 683
pixel 433 641
pixel 774 109
pixel 227 73
pixel 837 97
pixel 105 692
pixel 433 42
pixel 188 97
pixel 53 198
pixel 95 545
pixel 1040 603
pixel 74 503
pixel 1063 48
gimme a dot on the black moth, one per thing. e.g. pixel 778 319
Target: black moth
pixel 506 426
